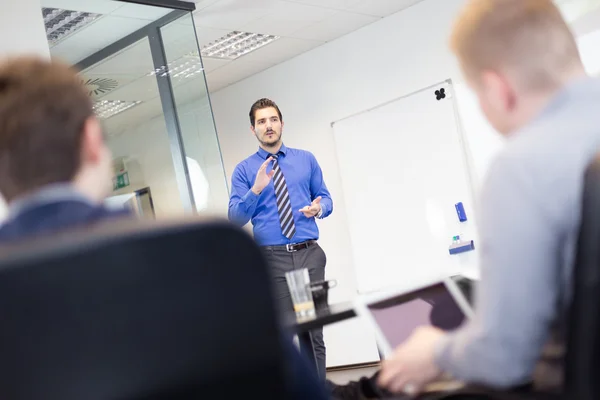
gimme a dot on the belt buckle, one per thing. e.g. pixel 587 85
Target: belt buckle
pixel 290 248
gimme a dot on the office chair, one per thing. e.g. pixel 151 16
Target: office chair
pixel 173 311
pixel 583 349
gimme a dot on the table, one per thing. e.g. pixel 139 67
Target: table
pixel 343 311
pixel 334 313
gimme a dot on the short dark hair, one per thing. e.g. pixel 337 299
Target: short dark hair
pixel 259 105
pixel 43 111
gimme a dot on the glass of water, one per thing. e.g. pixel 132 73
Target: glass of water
pixel 299 284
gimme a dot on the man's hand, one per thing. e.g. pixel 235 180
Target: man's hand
pixel 412 365
pixel 262 178
pixel 313 209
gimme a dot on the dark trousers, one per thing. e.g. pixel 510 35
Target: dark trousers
pixel 281 261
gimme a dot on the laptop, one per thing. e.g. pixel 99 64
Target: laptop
pixel 394 314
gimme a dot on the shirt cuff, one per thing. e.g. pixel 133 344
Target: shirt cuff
pixel 250 198
pixel 320 213
pixel 323 212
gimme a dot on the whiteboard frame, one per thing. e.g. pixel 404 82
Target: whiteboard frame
pixel 467 158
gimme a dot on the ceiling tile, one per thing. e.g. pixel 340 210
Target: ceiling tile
pixel 279 50
pixel 217 82
pixel 210 64
pixel 141 12
pixel 335 26
pixel 232 14
pixel 131 119
pixel 257 61
pixel 234 72
pixel 95 6
pixel 285 18
pixel 336 4
pixel 382 8
pixel 188 90
pixel 207 35
pixel 200 4
pixel 143 88
pixel 299 12
pixel 269 26
pixel 94 37
pixel 108 84
pixel 133 60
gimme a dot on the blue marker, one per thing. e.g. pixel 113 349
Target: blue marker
pixel 460 211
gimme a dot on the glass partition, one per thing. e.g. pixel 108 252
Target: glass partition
pixel 198 133
pixel 143 69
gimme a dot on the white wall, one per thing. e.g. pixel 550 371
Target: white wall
pixel 22 31
pixel 395 56
pixel 22 28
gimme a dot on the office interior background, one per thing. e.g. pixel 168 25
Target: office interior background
pixel 176 142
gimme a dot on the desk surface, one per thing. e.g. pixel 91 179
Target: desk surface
pixel 343 311
pixel 335 313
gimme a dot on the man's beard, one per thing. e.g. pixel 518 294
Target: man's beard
pixel 270 144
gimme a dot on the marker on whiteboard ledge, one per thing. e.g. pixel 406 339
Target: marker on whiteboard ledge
pixel 460 246
pixel 460 211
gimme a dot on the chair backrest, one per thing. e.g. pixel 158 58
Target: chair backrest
pixel 582 365
pixel 172 311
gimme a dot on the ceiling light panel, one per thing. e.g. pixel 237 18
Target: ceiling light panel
pixel 236 44
pixel 108 108
pixel 184 67
pixel 62 23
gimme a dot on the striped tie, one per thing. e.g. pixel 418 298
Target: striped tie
pixel 284 206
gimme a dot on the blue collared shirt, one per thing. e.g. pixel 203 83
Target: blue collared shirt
pixel 305 183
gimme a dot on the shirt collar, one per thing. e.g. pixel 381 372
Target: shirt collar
pixel 265 154
pixel 48 194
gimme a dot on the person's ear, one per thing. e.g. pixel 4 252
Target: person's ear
pixel 253 130
pixel 92 141
pixel 500 89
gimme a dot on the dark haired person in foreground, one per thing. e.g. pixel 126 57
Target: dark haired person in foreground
pixel 56 169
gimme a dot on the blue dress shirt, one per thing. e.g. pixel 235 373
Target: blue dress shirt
pixel 304 180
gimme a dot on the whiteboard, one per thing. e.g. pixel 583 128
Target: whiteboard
pixel 404 165
pixel 484 141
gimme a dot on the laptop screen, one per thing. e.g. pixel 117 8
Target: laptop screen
pixel 398 316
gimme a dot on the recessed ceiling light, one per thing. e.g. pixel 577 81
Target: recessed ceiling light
pixel 236 44
pixel 108 108
pixel 184 67
pixel 62 23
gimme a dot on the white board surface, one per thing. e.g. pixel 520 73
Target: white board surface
pixel 403 167
pixel 484 142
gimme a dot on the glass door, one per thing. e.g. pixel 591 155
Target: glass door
pixel 142 67
pixel 199 139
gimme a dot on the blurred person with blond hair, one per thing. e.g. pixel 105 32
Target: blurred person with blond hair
pixel 522 61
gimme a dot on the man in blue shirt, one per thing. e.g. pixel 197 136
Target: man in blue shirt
pixel 281 191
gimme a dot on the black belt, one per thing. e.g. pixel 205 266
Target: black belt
pixel 290 248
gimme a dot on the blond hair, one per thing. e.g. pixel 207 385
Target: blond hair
pixel 528 39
